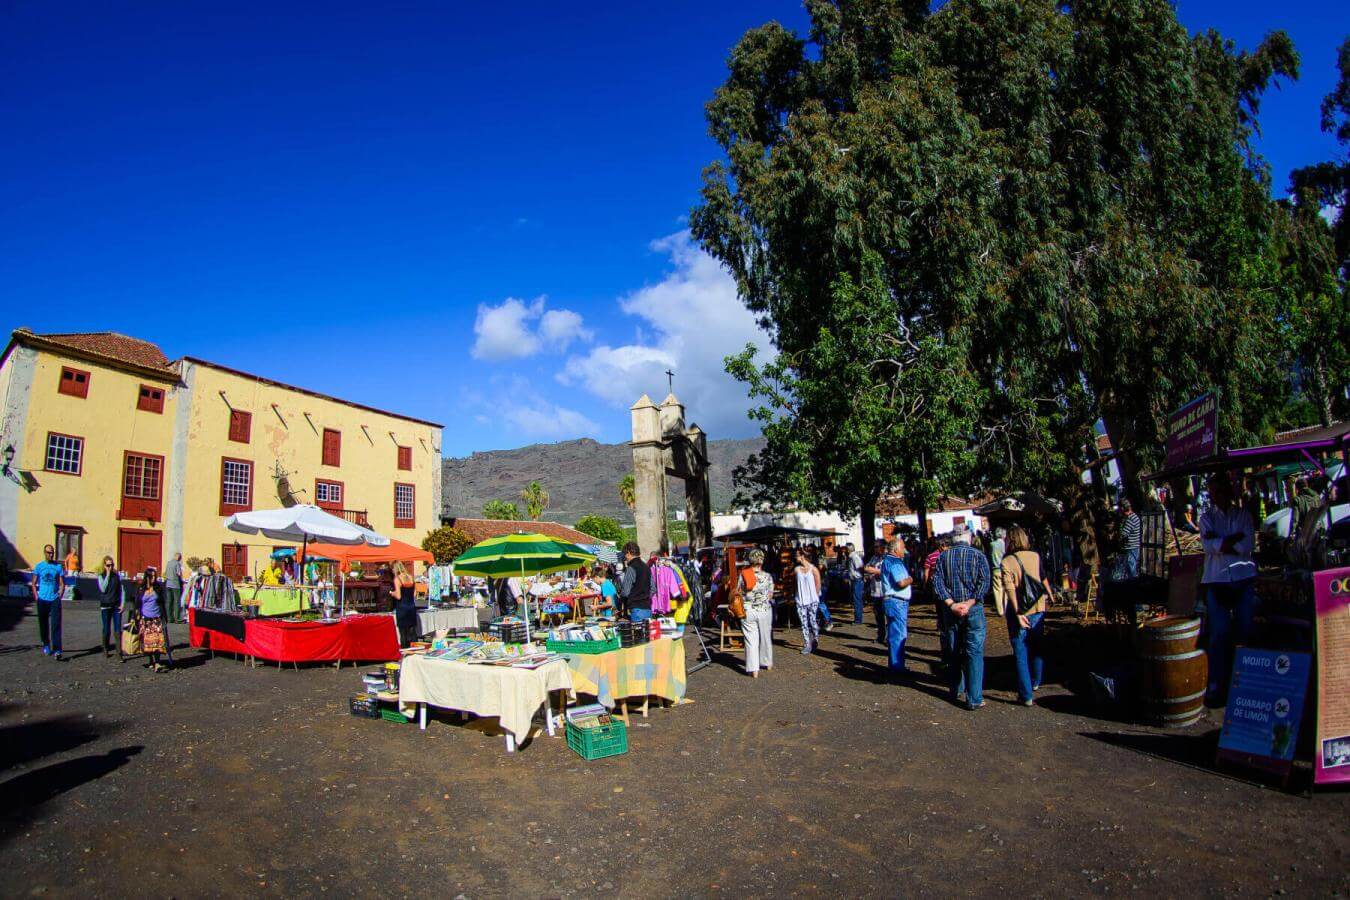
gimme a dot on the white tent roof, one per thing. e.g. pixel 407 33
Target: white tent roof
pixel 303 522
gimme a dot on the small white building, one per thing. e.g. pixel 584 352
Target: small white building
pixel 893 510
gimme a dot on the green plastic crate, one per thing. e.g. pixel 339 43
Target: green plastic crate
pixel 585 648
pixel 393 715
pixel 599 741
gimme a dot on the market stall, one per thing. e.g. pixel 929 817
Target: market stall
pixel 435 619
pixel 513 695
pixel 355 638
pixel 653 669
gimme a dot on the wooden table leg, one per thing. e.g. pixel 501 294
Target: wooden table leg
pixel 623 709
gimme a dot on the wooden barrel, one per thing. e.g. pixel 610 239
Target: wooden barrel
pixel 1172 687
pixel 1169 636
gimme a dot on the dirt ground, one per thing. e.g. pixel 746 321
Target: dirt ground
pixel 819 778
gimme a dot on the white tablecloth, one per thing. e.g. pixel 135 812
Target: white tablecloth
pixel 513 695
pixel 429 620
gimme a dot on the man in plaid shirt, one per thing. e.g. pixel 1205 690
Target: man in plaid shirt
pixel 961 582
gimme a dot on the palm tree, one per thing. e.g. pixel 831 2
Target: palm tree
pixel 628 491
pixel 536 500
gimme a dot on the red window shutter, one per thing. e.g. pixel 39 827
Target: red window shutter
pixel 332 447
pixel 241 426
pixel 405 458
pixel 150 399
pixel 74 382
pixel 142 486
pixel 234 561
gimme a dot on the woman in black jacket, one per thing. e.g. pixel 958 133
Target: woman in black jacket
pixel 110 606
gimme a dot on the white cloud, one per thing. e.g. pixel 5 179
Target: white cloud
pixel 514 329
pixel 562 326
pixel 513 402
pixel 538 418
pixel 695 320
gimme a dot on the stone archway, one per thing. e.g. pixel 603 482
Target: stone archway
pixel 663 446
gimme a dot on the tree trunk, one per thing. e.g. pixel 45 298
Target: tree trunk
pixel 922 509
pixel 869 521
pixel 1123 441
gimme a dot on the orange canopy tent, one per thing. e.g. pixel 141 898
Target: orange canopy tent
pixel 344 555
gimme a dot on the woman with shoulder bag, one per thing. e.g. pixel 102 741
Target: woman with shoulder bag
pixel 757 622
pixel 110 607
pixel 1023 605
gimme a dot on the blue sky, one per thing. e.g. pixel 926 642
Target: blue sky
pixel 471 213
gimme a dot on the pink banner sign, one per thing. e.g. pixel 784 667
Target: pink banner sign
pixel 1331 756
pixel 1193 431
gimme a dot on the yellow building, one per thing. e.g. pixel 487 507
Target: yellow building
pixel 118 451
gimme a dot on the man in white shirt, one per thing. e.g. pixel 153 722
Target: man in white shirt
pixel 1229 579
pixel 855 582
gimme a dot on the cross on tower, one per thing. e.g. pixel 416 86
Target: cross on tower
pixel 670 380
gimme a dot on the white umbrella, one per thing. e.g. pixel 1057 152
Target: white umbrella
pixel 1280 523
pixel 304 523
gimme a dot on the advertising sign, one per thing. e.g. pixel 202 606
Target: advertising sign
pixel 1193 431
pixel 1265 704
pixel 1331 756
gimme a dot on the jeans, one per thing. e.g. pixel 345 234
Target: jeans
pixel 1131 567
pixel 1026 647
pixel 966 635
pixel 1229 611
pixel 857 588
pixel 112 622
pixel 824 610
pixel 49 624
pixel 173 604
pixel 757 632
pixel 897 631
pixel 639 615
pixel 806 612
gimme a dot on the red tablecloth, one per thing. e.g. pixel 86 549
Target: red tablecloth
pixel 354 639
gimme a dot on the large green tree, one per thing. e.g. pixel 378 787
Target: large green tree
pixel 1056 205
pixel 1315 257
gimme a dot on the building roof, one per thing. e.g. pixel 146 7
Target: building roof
pixel 896 505
pixel 108 347
pixel 144 357
pixel 481 529
pixel 299 390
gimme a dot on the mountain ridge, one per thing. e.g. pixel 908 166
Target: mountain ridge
pixel 581 475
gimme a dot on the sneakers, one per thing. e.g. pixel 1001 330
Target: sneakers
pixel 971 707
pixel 46 651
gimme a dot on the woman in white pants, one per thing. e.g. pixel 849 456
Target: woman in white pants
pixel 757 626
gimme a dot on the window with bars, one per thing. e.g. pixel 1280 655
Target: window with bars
pixel 150 399
pixel 328 494
pixel 142 481
pixel 405 505
pixel 405 458
pixel 142 477
pixel 236 483
pixel 65 453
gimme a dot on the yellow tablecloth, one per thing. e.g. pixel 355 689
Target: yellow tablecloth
pixel 513 695
pixel 275 601
pixel 655 668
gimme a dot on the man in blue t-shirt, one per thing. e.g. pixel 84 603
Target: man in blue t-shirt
pixel 896 589
pixel 49 581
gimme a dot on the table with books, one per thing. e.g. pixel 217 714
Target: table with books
pixel 513 690
pixel 622 667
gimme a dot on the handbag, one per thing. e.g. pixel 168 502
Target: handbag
pixel 736 605
pixel 131 640
pixel 1030 591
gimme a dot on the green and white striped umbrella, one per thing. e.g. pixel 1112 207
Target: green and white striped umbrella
pixel 521 554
